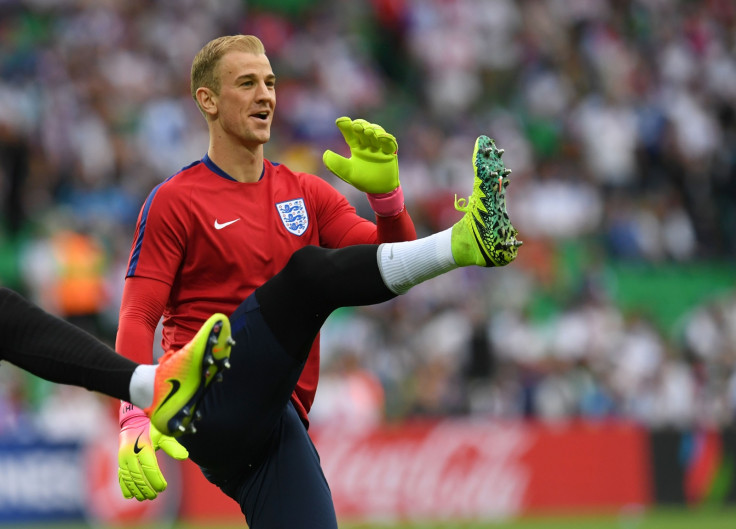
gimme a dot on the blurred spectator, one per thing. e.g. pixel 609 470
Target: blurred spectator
pixel 350 395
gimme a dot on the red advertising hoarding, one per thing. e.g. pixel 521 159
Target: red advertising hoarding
pixel 466 469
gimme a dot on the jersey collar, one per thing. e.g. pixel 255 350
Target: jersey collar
pixel 212 166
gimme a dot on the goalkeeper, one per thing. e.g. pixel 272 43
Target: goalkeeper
pixel 211 234
pixel 219 230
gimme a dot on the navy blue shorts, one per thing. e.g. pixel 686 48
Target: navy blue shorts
pixel 251 442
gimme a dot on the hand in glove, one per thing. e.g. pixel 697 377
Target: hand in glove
pixel 138 472
pixel 373 166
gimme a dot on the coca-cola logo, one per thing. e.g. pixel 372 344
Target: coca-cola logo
pixel 450 469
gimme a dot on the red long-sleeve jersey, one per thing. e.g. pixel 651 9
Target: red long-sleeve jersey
pixel 204 242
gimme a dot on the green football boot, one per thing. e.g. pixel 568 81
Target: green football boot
pixel 485 235
pixel 183 377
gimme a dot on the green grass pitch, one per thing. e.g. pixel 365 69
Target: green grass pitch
pixel 655 519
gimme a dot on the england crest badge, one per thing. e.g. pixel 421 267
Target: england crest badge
pixel 294 215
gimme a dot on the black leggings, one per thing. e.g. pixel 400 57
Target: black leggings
pixel 274 329
pixel 56 350
pixel 296 302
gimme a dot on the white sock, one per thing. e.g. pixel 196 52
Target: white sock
pixel 405 264
pixel 141 385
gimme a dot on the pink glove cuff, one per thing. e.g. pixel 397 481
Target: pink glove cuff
pixel 387 204
pixel 131 414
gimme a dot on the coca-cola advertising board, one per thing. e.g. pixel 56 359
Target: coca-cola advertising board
pixel 466 469
pixel 457 469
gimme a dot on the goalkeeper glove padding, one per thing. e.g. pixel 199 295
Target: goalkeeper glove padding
pixel 138 472
pixel 373 166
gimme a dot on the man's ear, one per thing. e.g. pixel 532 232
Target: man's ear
pixel 207 101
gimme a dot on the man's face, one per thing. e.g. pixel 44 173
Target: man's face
pixel 247 96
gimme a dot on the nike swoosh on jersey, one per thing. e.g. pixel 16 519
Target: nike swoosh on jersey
pixel 219 226
pixel 137 448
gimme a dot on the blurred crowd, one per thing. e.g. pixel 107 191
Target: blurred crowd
pixel 618 119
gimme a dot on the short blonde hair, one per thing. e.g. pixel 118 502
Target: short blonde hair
pixel 206 60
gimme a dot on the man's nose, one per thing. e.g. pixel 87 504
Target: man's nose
pixel 263 92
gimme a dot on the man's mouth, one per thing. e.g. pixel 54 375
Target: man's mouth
pixel 260 115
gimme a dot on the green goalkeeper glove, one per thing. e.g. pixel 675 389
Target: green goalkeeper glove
pixel 373 166
pixel 138 472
